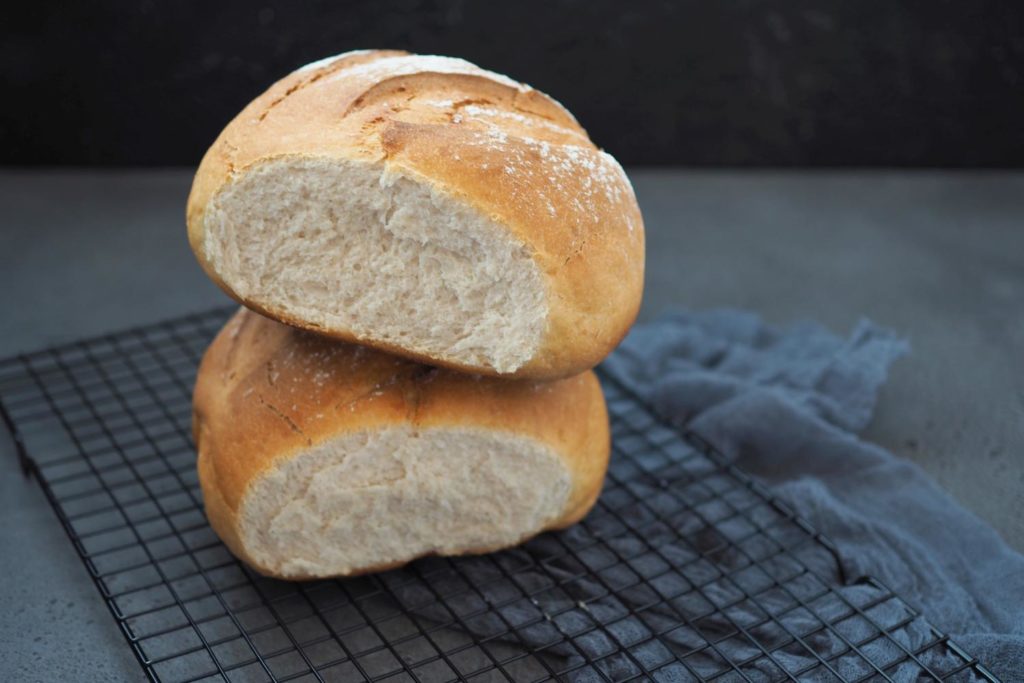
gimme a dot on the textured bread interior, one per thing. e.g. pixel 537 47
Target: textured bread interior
pixel 374 499
pixel 349 246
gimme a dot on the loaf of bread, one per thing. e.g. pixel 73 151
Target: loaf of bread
pixel 426 207
pixel 319 458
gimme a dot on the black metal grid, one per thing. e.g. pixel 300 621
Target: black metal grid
pixel 685 570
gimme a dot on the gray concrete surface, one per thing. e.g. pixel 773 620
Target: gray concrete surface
pixel 937 256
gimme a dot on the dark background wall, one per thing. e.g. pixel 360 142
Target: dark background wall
pixel 697 82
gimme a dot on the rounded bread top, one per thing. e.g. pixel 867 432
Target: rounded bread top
pixel 509 151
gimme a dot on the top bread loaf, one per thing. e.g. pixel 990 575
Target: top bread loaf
pixel 426 207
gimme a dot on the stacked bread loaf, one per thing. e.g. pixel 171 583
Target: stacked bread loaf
pixel 431 258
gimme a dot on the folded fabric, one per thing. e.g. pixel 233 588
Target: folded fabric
pixel 787 405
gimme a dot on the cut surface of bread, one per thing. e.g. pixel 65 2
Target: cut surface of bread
pixel 319 458
pixel 372 499
pixel 427 207
pixel 346 245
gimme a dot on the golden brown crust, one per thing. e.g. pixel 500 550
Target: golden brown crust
pixel 266 392
pixel 505 149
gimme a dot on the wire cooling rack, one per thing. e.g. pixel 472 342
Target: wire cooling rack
pixel 686 569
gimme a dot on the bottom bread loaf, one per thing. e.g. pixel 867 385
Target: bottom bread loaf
pixel 319 458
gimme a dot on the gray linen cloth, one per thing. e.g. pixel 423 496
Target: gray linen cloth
pixel 788 404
